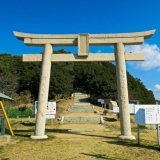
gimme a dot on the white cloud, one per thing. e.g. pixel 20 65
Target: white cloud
pixel 157 87
pixel 152 56
pixel 156 91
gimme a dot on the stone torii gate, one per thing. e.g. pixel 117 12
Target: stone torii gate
pixel 83 41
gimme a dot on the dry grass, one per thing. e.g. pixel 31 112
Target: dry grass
pixel 80 141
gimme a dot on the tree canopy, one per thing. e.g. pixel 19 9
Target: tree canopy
pixel 97 78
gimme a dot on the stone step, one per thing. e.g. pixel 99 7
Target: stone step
pixel 82 111
pixel 81 108
pixel 82 120
pixel 82 105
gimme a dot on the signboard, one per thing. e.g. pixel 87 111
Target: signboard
pixel 147 114
pixel 50 116
pixel 51 109
pixel 101 101
pixel 131 106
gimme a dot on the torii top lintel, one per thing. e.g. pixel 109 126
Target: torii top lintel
pixel 93 39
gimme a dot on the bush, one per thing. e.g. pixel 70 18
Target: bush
pixel 20 112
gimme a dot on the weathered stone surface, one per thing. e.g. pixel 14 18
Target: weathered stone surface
pixel 5 138
pixel 43 92
pixel 118 40
pixel 145 34
pixel 127 137
pixel 83 44
pixel 82 120
pixel 39 137
pixel 81 105
pixel 103 57
pixel 94 39
pixel 122 90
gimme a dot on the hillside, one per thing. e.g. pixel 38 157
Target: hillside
pixel 97 78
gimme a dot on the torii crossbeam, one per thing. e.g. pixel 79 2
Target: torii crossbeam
pixel 83 41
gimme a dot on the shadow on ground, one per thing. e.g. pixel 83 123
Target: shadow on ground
pixel 28 124
pixel 102 156
pixel 21 133
pixel 109 119
pixel 133 144
pixel 114 140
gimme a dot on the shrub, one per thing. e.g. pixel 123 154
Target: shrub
pixel 20 112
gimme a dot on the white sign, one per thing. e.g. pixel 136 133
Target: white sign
pixel 51 116
pixel 131 106
pixel 147 114
pixel 115 109
pixel 51 109
pixel 101 101
pixel 35 107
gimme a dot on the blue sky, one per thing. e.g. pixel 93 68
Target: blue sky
pixel 86 16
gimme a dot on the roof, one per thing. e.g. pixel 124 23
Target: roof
pixel 145 34
pixel 3 96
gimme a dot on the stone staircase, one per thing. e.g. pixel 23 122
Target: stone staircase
pixel 81 103
pixel 82 112
pixel 82 120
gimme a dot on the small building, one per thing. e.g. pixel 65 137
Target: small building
pixel 112 104
pixel 108 103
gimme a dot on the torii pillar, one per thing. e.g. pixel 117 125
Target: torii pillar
pixel 43 93
pixel 83 41
pixel 122 92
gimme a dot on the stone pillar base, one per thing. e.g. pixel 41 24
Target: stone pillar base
pixel 127 137
pixel 5 138
pixel 39 137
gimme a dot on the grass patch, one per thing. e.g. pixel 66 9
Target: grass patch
pixel 143 128
pixel 97 144
pixel 100 142
pixel 1 149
